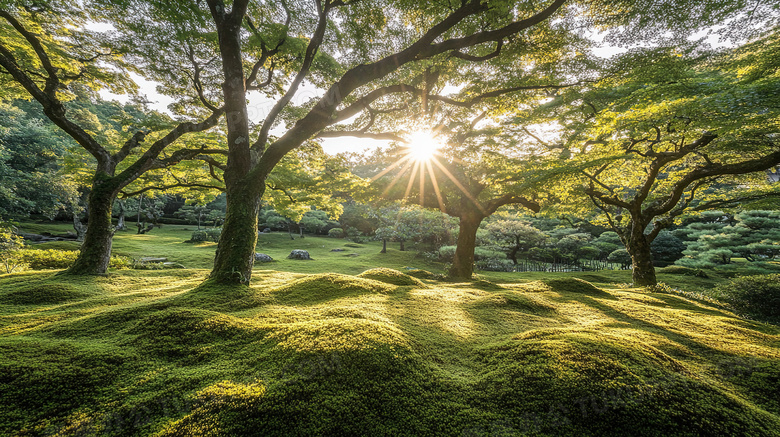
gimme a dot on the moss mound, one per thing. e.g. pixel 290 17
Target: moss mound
pixel 424 274
pixel 681 270
pixel 41 293
pixel 391 276
pixel 154 353
pixel 319 288
pixel 190 334
pixel 524 303
pixel 561 382
pixel 574 285
pixel 40 379
pixel 379 390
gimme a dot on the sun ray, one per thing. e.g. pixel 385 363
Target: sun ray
pixel 397 178
pixel 395 164
pixel 459 185
pixel 411 179
pixel 422 182
pixel 435 184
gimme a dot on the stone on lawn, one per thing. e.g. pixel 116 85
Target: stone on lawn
pixel 298 254
pixel 337 250
pixel 263 258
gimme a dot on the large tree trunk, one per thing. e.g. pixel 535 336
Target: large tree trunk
pixel 96 249
pixel 236 249
pixel 463 264
pixel 641 259
pixel 384 246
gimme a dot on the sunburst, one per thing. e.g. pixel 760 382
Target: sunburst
pixel 422 152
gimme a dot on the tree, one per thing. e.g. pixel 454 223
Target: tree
pixel 404 223
pixel 515 236
pixel 357 53
pixel 30 176
pixel 754 236
pixel 42 59
pixel 681 130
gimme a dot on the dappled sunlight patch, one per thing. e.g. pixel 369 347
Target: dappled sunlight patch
pixel 391 276
pixel 219 407
pixel 323 287
pixel 509 301
pixel 336 334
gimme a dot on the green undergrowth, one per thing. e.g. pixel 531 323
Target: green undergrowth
pixel 381 353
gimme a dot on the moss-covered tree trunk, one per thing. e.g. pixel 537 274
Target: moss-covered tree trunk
pixel 463 263
pixel 638 247
pixel 236 249
pixel 95 253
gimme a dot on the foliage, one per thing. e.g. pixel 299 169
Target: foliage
pixel 756 296
pixel 515 236
pixel 10 247
pixel 446 253
pixel 31 177
pixel 206 235
pixel 666 249
pixel 620 256
pixel 336 233
pixel 413 223
pixel 752 235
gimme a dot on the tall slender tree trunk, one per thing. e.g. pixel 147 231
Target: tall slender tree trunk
pixel 402 247
pixel 641 257
pixel 96 249
pixel 463 263
pixel 120 222
pixel 384 246
pixel 235 251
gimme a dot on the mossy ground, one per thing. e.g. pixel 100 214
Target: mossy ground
pixel 323 353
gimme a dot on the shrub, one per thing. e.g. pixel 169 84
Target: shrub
pixel 336 233
pixel 10 248
pixel 447 253
pixel 681 270
pixel 206 235
pixel 495 265
pixel 757 296
pixel 48 259
pixel 620 256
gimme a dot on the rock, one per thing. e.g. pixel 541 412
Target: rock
pixel 298 254
pixel 151 259
pixel 352 255
pixel 267 230
pixel 173 265
pixel 337 250
pixel 262 258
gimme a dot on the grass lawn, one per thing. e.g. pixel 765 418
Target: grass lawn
pixel 316 348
